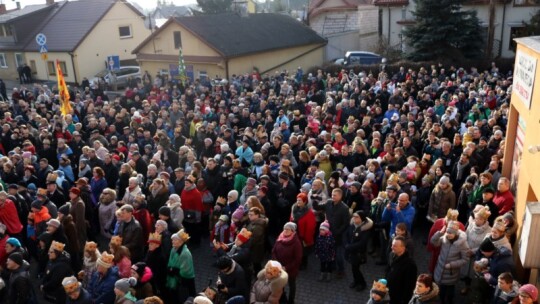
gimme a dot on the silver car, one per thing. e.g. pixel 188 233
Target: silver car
pixel 121 76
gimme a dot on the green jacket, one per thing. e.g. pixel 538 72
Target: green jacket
pixel 180 266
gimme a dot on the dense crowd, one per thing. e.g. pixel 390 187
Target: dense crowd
pixel 264 171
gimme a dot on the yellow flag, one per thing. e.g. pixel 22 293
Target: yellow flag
pixel 65 105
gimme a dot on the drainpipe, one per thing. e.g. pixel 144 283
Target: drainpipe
pixel 502 29
pixel 227 68
pixel 389 22
pixel 73 65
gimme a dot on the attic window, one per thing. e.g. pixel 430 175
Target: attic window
pixel 177 39
pixel 125 31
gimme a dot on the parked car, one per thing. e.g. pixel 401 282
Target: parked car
pixel 121 74
pixel 360 57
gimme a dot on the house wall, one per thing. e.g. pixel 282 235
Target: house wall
pixel 339 44
pixel 41 65
pixel 104 40
pixel 368 26
pixel 211 70
pixel 10 72
pixel 514 15
pixel 528 169
pixel 274 60
pixel 334 24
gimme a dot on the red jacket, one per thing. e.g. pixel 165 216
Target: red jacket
pixel 191 200
pixel 289 254
pixel 306 227
pixel 145 219
pixel 10 217
pixel 504 201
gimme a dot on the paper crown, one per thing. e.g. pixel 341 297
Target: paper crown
pixel 71 284
pixel 380 285
pixel 244 235
pixel 106 260
pixel 57 246
pixel 154 238
pixel 182 235
pixel 482 212
pixel 42 192
pixel 90 246
pixel 499 225
pixel 116 240
pixel 452 215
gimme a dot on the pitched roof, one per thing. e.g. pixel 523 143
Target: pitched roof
pixel 18 13
pixel 232 35
pixel 70 25
pixel 318 7
pixel 166 11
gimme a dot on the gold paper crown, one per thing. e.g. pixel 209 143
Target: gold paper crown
pixel 52 177
pixel 70 284
pixel 116 240
pixel 107 258
pixel 154 238
pixel 90 246
pixel 42 191
pixel 57 246
pixel 181 235
pixel 245 233
pixel 380 286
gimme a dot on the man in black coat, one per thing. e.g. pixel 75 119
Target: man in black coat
pixel 337 214
pixel 232 279
pixel 131 232
pixel 19 284
pixel 400 273
pixel 212 176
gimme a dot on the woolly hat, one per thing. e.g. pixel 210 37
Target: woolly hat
pixel 444 180
pixel 224 218
pixel 232 195
pixel 244 235
pixel 306 187
pixel 201 300
pixel 530 290
pixel 224 262
pixel 165 211
pixel 357 185
pixel 124 285
pixel 284 176
pixel 14 242
pixel 54 223
pixel 325 226
pixel 16 258
pixel 290 225
pixel 487 246
pixel 37 204
pixel 64 209
pixel 251 181
pixel 155 238
pixel 238 214
pixel 139 268
pixel 106 260
pixel 303 197
pixel 175 198
pixel 163 224
pixel 71 284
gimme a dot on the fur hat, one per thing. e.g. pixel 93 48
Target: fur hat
pixel 106 260
pixel 155 238
pixel 71 284
pixel 379 287
pixel 124 285
pixel 57 246
pixel 244 235
pixel 116 240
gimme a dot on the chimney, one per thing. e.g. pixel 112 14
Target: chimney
pixel 18 5
pixel 3 9
pixel 49 2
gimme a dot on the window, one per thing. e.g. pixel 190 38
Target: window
pixel 125 31
pixel 19 59
pixel 203 75
pixel 516 32
pixel 3 62
pixel 526 2
pixel 51 66
pixel 177 40
pixel 5 30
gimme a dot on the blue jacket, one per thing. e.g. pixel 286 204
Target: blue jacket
pixel 501 261
pixel 246 154
pixel 102 289
pixel 406 215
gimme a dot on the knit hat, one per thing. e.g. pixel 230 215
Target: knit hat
pixel 224 262
pixel 284 176
pixel 303 197
pixel 37 204
pixel 487 246
pixel 251 181
pixel 201 300
pixel 380 288
pixel 224 218
pixel 244 235
pixel 139 268
pixel 165 211
pixel 232 195
pixel 325 226
pixel 53 222
pixel 238 214
pixel 482 212
pixel 306 187
pixel 163 224
pixel 106 260
pixel 14 242
pixel 444 180
pixel 71 284
pixel 124 285
pixel 530 290
pixel 155 238
pixel 181 235
pixel 175 198
pixel 290 225
pixel 452 228
pixel 16 257
pixel 64 209
pixel 57 246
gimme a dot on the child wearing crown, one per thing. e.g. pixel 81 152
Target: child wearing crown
pixel 379 293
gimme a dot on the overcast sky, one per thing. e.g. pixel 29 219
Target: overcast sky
pixel 145 4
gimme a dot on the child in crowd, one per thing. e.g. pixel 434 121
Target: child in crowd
pixel 325 251
pixel 220 233
pixel 379 293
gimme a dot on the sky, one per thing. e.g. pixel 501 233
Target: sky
pixel 145 4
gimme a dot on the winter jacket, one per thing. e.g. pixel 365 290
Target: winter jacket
pixel 258 230
pixel 325 248
pixel 101 288
pixel 77 211
pixel 475 237
pixel 268 291
pixel 124 267
pixel 501 261
pixel 10 217
pixel 192 201
pixel 84 298
pixel 106 218
pixel 338 217
pixel 56 271
pixel 306 226
pixel 435 251
pixel 431 297
pixel 499 297
pixel 156 201
pixel 19 285
pixel 132 237
pixel 356 239
pixel 235 281
pixel 143 289
pixel 441 200
pixel 401 276
pixel 453 252
pixel 289 254
pixel 180 266
pixel 406 215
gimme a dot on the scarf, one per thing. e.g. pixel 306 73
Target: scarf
pixel 156 190
pixel 460 170
pixel 283 238
pixel 298 212
pixel 190 187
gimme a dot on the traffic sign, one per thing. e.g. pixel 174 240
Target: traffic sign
pixel 113 62
pixel 43 49
pixel 41 39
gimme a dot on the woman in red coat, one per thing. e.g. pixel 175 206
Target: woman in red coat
pixel 288 251
pixel 304 218
pixel 192 204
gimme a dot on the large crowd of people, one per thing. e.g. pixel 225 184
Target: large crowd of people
pixel 105 204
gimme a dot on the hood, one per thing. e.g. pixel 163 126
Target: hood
pixel 434 292
pixel 147 275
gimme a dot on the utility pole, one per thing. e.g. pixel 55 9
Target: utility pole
pixel 491 29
